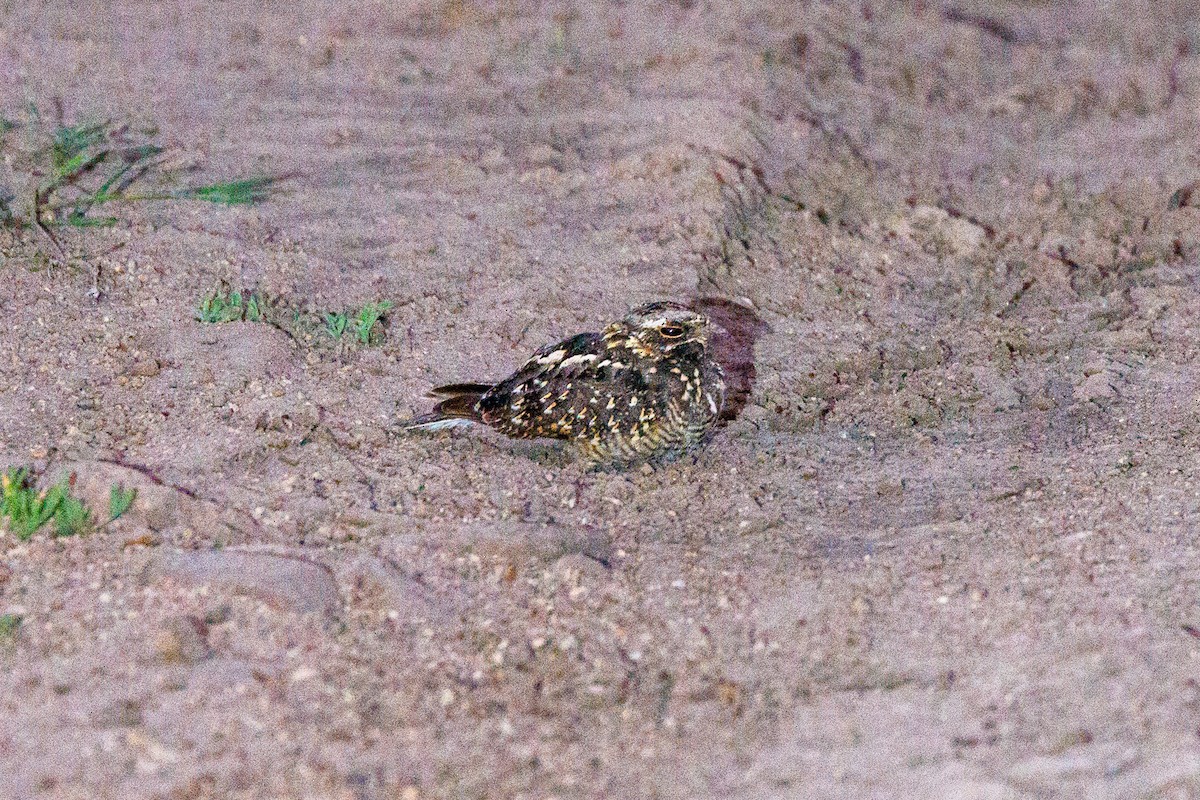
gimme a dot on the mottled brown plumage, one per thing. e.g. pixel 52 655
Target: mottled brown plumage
pixel 643 389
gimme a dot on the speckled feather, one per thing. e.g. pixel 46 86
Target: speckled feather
pixel 643 389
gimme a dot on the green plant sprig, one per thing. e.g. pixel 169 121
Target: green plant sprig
pixel 93 165
pixel 25 509
pixel 362 324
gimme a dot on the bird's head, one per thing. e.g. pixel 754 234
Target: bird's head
pixel 664 328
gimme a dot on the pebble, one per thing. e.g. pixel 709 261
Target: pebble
pixel 145 369
pixel 183 640
pixel 286 584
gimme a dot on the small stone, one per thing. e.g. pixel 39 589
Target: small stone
pixel 541 155
pixel 218 615
pixel 183 640
pixel 121 714
pixel 729 692
pixel 301 674
pixel 375 584
pixel 287 584
pixel 145 369
pixel 1095 387
pixel 1185 196
pixel 577 567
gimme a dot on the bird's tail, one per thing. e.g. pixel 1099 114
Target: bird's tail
pixel 458 406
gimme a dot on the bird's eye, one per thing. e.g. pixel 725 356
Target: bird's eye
pixel 671 331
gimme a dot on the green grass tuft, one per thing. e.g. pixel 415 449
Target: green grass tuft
pixel 24 509
pixel 83 221
pixel 361 325
pixel 72 150
pixel 366 319
pixel 9 625
pixel 71 517
pixel 119 501
pixel 234 193
pixel 231 307
pixel 83 167
pixel 336 323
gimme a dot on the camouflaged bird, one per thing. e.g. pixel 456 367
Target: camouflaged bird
pixel 643 389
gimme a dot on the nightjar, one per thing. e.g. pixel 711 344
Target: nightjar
pixel 643 389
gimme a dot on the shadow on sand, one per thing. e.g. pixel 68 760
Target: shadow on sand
pixel 737 329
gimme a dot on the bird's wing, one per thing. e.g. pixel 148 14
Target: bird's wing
pixel 560 361
pixel 557 379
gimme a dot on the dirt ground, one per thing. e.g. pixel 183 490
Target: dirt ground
pixel 947 549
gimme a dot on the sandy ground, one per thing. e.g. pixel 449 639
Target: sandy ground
pixel 945 551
